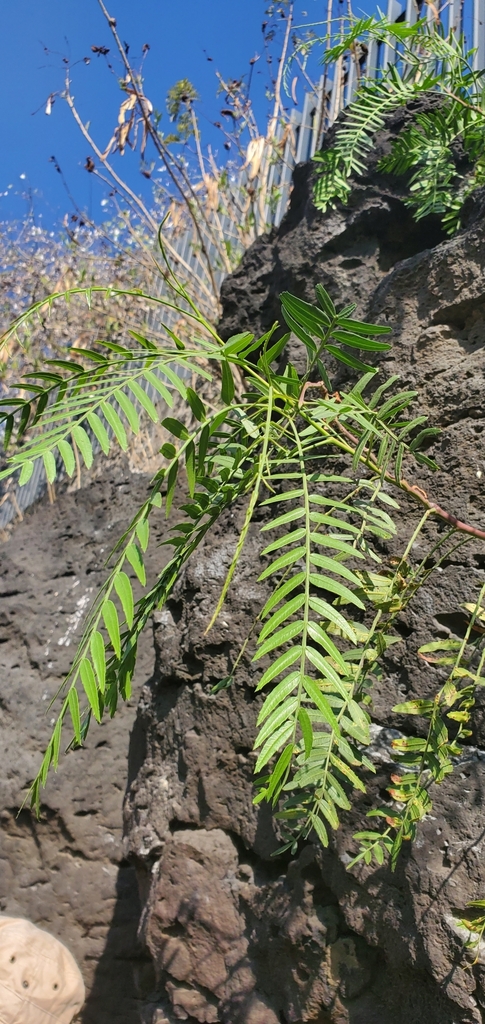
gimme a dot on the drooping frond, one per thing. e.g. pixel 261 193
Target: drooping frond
pixel 333 463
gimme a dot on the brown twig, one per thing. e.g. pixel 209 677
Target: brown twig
pixel 78 463
pixel 161 149
pixel 413 489
pixel 13 499
pixel 122 184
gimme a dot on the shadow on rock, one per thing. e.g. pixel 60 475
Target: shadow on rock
pixel 123 970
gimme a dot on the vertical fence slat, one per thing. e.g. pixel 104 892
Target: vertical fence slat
pixel 394 11
pixel 372 59
pixel 412 12
pixel 288 165
pixel 306 126
pixel 455 16
pixel 478 36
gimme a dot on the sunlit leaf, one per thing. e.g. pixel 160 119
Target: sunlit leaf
pixel 90 688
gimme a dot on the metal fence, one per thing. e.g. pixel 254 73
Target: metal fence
pixel 298 139
pixel 293 143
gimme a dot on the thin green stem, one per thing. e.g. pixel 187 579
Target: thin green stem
pixel 261 464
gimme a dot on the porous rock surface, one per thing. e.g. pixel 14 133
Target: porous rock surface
pixel 236 935
pixel 219 930
pixel 67 872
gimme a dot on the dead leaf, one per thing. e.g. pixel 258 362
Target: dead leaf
pixel 212 192
pixel 254 156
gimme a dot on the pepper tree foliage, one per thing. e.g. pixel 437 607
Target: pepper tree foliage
pixel 328 467
pixel 442 152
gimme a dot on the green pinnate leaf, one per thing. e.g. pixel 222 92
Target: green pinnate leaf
pixel 56 742
pixel 73 701
pixel 134 556
pixel 318 634
pixel 306 730
pixel 67 456
pixel 176 428
pixel 9 425
pixel 283 561
pixel 348 360
pixel 282 542
pixel 415 707
pixel 125 593
pixel 171 481
pixel 327 807
pixel 111 417
pixel 24 419
pixel 42 776
pixel 329 584
pixel 320 829
pixel 144 400
pixel 320 701
pixel 325 302
pixel 359 327
pixel 281 592
pixel 347 771
pixel 280 665
pixel 278 639
pixel 128 409
pixel 190 467
pixel 98 656
pixel 287 517
pixel 49 466
pixel 84 445
pixel 281 691
pixel 196 404
pixel 331 565
pixel 280 715
pixel 227 388
pixel 277 775
pixel 289 608
pixel 89 686
pixel 322 665
pixel 238 343
pixel 312 318
pixel 168 450
pixel 143 533
pixel 99 430
pixel 26 472
pixel 360 341
pixel 110 616
pixel 159 386
pixel 277 740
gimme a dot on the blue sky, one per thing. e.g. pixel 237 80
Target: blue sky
pixel 36 35
pixel 181 35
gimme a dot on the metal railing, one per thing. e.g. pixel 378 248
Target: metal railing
pixel 294 142
pixel 298 139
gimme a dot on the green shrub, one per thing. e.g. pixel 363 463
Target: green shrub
pixel 442 151
pixel 327 467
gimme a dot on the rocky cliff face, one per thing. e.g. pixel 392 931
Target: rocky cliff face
pixel 67 872
pixel 236 935
pixel 218 929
